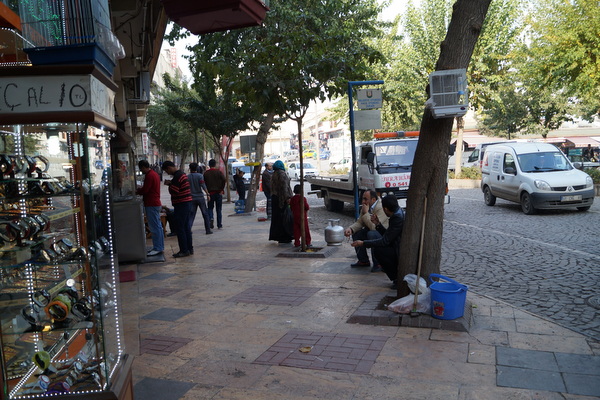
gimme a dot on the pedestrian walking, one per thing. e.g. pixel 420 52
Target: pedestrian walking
pixel 215 182
pixel 181 198
pixel 150 192
pixel 198 189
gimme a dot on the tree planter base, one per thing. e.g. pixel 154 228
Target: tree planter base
pixel 373 312
pixel 312 252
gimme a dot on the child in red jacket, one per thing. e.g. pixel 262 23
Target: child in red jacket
pixel 295 204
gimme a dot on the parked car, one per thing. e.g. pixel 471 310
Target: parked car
pixel 290 155
pixel 536 175
pixel 309 154
pixel 271 159
pixel 344 163
pixel 294 170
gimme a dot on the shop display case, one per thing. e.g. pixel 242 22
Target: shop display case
pixel 60 332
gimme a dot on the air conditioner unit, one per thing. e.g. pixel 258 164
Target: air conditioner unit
pixel 448 93
pixel 142 88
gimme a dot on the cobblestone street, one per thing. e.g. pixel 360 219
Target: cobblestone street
pixel 547 264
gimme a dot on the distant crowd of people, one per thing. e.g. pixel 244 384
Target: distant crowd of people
pixel 189 192
pixel 378 227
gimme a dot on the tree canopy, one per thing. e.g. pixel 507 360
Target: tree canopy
pixel 302 52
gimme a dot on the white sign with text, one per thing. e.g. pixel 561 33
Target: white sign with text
pixel 42 94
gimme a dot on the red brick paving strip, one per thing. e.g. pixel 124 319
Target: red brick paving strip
pixel 329 351
pixel 275 295
pixel 162 345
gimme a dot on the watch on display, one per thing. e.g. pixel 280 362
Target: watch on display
pixel 5 164
pixel 42 360
pixel 60 307
pixel 41 298
pixel 44 161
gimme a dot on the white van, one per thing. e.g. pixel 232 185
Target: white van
pixel 536 175
pixel 476 157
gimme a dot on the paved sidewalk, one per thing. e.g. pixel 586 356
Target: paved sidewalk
pixel 234 321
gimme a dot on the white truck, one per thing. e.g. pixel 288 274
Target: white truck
pixel 384 165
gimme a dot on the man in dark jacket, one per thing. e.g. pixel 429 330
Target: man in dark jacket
pixel 215 182
pixel 386 248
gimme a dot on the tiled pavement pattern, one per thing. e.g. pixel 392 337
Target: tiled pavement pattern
pixel 541 370
pixel 326 351
pixel 275 295
pixel 167 314
pixel 246 265
pixel 162 345
pixel 227 321
pixel 159 292
pixel 159 276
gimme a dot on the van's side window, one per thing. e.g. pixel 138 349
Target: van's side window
pixel 474 156
pixel 509 162
pixel 364 152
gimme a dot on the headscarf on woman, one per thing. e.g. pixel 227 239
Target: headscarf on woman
pixel 281 193
pixel 280 184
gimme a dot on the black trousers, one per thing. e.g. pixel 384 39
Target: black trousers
pixel 361 252
pixel 388 259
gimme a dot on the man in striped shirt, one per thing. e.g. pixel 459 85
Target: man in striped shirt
pixel 181 198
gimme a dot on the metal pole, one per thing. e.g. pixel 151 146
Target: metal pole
pixel 351 84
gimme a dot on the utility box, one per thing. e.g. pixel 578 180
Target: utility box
pixel 448 93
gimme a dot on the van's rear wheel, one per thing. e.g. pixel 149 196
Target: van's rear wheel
pixel 527 204
pixel 488 197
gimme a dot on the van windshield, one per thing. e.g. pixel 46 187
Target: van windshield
pixel 396 154
pixel 543 162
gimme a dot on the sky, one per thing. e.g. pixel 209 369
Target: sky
pixel 395 7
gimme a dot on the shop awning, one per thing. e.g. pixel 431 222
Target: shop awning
pixel 205 16
pixel 581 141
pixel 553 140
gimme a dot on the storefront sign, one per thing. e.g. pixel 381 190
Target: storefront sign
pixel 45 94
pixel 144 142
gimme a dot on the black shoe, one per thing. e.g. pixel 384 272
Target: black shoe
pixel 220 227
pixel 209 232
pixel 212 224
pixel 376 268
pixel 171 234
pixel 191 251
pixel 181 254
pixel 361 264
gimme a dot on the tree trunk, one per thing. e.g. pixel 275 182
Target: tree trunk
pixel 430 169
pixel 458 148
pixel 261 139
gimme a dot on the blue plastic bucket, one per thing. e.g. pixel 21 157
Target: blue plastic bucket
pixel 447 298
